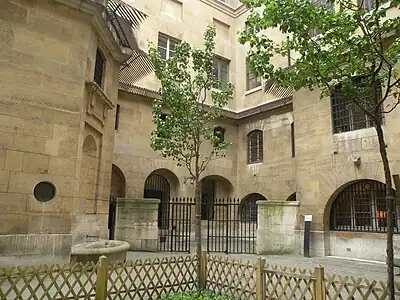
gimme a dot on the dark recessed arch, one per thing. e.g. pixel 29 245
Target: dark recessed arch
pixel 159 185
pixel 360 206
pixel 248 207
pixel 292 197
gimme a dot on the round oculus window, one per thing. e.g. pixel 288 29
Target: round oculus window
pixel 44 191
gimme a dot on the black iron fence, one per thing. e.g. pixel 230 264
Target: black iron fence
pixel 230 225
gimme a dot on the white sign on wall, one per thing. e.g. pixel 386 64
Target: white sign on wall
pixel 307 218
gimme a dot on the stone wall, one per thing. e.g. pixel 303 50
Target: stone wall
pixel 136 223
pixel 47 51
pixel 277 224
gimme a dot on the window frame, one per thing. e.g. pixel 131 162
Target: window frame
pixel 219 130
pixel 217 61
pixel 251 78
pixel 344 114
pixel 255 140
pixel 167 48
pixel 99 68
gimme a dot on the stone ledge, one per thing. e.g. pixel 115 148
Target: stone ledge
pixel 277 203
pixel 35 244
pixel 139 201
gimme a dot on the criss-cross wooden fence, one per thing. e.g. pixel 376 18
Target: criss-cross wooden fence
pixel 153 278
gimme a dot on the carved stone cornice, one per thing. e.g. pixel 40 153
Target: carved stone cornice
pixel 99 104
pixel 95 8
pixel 226 8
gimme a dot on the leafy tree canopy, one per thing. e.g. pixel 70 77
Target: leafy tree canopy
pixel 352 42
pixel 187 80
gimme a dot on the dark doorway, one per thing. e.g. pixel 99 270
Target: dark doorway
pixel 157 186
pixel 207 199
pixel 118 185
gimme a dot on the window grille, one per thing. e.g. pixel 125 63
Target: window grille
pixel 255 146
pixel 362 207
pixel 346 115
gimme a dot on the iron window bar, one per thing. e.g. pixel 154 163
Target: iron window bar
pixel 361 207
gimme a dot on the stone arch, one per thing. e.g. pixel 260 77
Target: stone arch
pixel 358 205
pixel 213 187
pixel 89 173
pixel 224 187
pixel 89 146
pixel 248 207
pixel 292 197
pixel 161 184
pixel 118 182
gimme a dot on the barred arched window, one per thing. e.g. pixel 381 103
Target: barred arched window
pixel 255 147
pixel 362 207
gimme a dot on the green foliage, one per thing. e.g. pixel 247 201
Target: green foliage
pixel 197 296
pixel 186 134
pixel 353 42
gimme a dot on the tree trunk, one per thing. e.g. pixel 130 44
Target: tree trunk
pixel 389 207
pixel 198 229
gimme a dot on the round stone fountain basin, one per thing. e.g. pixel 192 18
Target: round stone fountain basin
pixel 91 251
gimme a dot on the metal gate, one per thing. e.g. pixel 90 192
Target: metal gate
pixel 157 187
pixel 175 236
pixel 231 225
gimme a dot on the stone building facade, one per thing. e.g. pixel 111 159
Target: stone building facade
pixel 59 77
pixel 87 141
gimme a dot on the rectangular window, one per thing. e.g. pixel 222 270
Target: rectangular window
pixel 99 68
pixel 117 117
pixel 346 115
pixel 292 139
pixel 166 46
pixel 252 81
pixel 221 70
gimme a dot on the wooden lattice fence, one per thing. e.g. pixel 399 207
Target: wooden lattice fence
pixel 230 276
pixel 140 279
pixel 153 278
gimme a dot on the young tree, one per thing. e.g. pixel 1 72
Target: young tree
pixel 357 51
pixel 186 134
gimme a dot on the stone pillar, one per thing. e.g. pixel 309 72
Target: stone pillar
pixel 136 223
pixel 277 224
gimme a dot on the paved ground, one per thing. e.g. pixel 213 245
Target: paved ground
pixel 333 265
pixel 134 287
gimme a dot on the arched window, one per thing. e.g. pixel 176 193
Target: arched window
pixel 362 207
pixel 255 146
pixel 248 207
pixel 99 68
